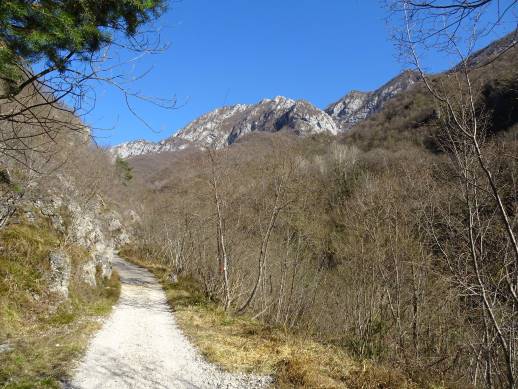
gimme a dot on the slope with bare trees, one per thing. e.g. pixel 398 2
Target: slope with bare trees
pixel 389 241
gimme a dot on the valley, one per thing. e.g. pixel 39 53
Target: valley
pixel 367 243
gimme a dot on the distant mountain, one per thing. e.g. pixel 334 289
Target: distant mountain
pixel 357 106
pixel 226 125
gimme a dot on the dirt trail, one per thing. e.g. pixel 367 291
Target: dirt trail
pixel 140 345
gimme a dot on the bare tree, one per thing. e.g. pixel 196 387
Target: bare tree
pixel 220 224
pixel 281 177
pixel 453 28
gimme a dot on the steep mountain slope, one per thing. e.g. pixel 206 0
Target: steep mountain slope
pixel 494 50
pixel 226 125
pixel 357 106
pixel 409 116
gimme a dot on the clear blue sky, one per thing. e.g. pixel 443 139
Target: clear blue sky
pixel 240 51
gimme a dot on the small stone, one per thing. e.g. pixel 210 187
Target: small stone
pixel 5 347
pixel 60 268
pixel 31 218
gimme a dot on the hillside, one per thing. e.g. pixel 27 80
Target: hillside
pixel 357 106
pixel 370 244
pixel 61 219
pixel 358 239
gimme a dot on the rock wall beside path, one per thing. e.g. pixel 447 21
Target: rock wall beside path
pixel 92 224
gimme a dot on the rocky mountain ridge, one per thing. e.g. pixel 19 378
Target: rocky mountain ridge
pixel 224 126
pixel 142 147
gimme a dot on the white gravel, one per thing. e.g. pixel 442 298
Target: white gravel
pixel 140 345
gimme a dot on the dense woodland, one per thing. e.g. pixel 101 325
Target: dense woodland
pixel 386 241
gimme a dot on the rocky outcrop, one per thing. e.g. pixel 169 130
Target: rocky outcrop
pixel 280 114
pixel 352 108
pixel 90 224
pixel 100 231
pixel 88 272
pixel 9 197
pixel 357 106
pixel 50 207
pixel 60 268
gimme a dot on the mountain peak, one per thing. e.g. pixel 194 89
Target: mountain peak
pixel 224 126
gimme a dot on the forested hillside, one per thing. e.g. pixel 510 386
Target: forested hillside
pixel 361 239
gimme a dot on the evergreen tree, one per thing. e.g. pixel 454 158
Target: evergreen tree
pixel 55 32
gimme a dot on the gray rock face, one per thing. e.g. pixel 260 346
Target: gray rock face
pixel 8 203
pixel 91 231
pixel 88 273
pixel 117 230
pixel 30 217
pixel 352 108
pixel 50 208
pixel 92 225
pixel 102 254
pixel 226 125
pixel 6 347
pixel 60 268
pixel 141 147
pixel 357 106
pixel 279 114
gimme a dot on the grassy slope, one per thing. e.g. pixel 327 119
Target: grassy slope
pixel 45 336
pixel 238 343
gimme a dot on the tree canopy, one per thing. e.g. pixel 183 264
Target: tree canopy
pixel 55 31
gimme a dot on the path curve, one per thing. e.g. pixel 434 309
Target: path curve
pixel 140 345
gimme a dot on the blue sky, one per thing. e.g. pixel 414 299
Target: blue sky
pixel 240 51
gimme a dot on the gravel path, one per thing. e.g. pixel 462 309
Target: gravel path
pixel 140 345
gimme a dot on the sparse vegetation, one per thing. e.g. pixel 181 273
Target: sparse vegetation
pixel 359 242
pixel 43 335
pixel 240 343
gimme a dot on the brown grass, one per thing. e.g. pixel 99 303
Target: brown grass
pixel 238 343
pixel 45 335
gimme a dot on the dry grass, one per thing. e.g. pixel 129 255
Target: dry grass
pixel 240 344
pixel 45 335
pixel 237 343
